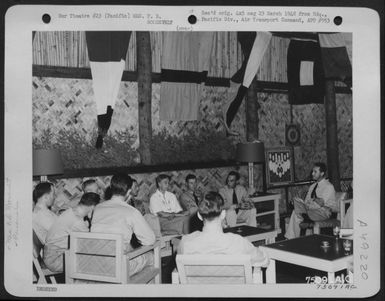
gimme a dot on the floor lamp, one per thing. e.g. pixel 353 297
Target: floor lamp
pixel 47 162
pixel 251 152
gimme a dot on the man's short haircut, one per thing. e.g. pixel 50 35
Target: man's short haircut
pixel 120 184
pixel 108 193
pixel 322 166
pixel 41 189
pixel 190 176
pixel 89 199
pixel 211 206
pixel 233 173
pixel 88 182
pixel 161 177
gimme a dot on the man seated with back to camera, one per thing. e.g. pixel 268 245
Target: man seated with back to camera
pixel 71 220
pixel 318 204
pixel 115 215
pixel 164 204
pixel 42 217
pixel 212 239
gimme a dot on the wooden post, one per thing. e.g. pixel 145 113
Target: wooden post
pixel 144 69
pixel 252 107
pixel 331 135
pixel 252 122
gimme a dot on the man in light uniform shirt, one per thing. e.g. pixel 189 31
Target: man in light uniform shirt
pixel 164 204
pixel 319 202
pixel 71 220
pixel 42 216
pixel 117 216
pixel 236 205
pixel 212 239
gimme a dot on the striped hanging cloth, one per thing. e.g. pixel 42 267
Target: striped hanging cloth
pixel 305 72
pixel 335 58
pixel 185 62
pixel 254 46
pixel 107 52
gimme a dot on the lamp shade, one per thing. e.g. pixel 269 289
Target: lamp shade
pixel 47 162
pixel 250 152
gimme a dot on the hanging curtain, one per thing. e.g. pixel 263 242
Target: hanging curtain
pixel 185 63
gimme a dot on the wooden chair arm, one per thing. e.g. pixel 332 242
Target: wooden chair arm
pixel 257 275
pixel 143 249
pixel 343 204
pixel 346 233
pixel 175 277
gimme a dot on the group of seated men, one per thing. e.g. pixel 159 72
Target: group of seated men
pixel 199 217
pixel 194 213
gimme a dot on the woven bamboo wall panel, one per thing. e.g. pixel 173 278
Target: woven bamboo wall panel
pixel 68 104
pixel 69 191
pixel 345 134
pixel 274 63
pixel 275 112
pixel 69 49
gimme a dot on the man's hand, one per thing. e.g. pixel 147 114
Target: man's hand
pixel 297 199
pixel 247 204
pixel 165 214
pixel 319 201
pixel 182 213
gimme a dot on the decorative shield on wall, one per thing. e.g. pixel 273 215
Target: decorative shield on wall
pixel 279 166
pixel 292 135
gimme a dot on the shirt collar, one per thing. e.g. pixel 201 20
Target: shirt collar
pixel 160 193
pixel 322 181
pixel 117 200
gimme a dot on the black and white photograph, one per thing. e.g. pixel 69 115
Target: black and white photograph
pixel 169 160
pixel 96 106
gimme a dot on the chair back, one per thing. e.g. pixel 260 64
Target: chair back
pixel 37 245
pixel 96 257
pixel 214 269
pixel 40 272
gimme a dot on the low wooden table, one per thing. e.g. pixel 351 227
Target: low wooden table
pixel 307 251
pixel 254 234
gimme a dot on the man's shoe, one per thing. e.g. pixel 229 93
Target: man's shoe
pixel 306 218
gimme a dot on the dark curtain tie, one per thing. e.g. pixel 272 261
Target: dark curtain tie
pixel 235 199
pixel 313 193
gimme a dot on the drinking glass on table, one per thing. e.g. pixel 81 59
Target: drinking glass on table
pixel 347 243
pixel 336 231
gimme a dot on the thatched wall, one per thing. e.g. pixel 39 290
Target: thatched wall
pixel 66 105
pixel 69 49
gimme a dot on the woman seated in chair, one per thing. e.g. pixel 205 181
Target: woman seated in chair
pixel 212 239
